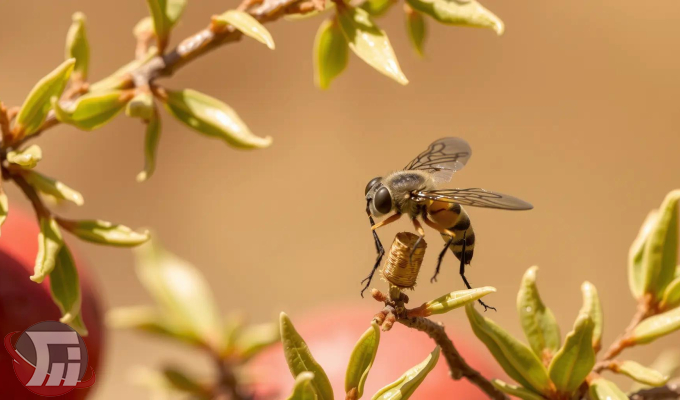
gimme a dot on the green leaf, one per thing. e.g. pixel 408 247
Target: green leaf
pixel 671 296
pixel 103 232
pixel 151 140
pixel 331 53
pixel 656 326
pixel 456 299
pixel 640 373
pixel 79 325
pixel 406 385
pixel 37 104
pixel 182 293
pixel 148 320
pixel 593 308
pixel 92 110
pixel 233 327
pixel 459 12
pixel 304 387
pixel 300 359
pixel 253 339
pixel 27 158
pixel 369 42
pixel 65 286
pixel 516 391
pixel 538 322
pixel 661 252
pixel 602 389
pixel 574 361
pixel 4 206
pixel 52 187
pixel 636 271
pixel 49 244
pixel 377 8
pixel 213 118
pixel 416 29
pixel 667 363
pixel 245 23
pixel 361 360
pixel 183 382
pixel 141 106
pixel 165 14
pixel 516 359
pixel 77 46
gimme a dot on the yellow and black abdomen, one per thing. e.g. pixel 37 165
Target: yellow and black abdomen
pixel 454 218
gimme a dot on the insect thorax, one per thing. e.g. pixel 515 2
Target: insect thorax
pixel 402 183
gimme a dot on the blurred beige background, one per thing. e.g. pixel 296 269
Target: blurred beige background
pixel 575 109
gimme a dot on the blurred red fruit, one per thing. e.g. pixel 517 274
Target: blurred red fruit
pixel 331 335
pixel 24 302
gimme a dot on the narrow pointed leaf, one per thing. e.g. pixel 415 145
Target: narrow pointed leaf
pixel 151 140
pixel 65 286
pixel 37 104
pixel 657 326
pixel 27 158
pixel 304 387
pixel 574 361
pixel 516 391
pixel 456 299
pixel 300 359
pixel 234 324
pixel 331 53
pixel 461 13
pixel 52 187
pixel 661 251
pixel 253 339
pixel 213 118
pixel 361 360
pixel 248 25
pixel 103 232
pixel 92 110
pixel 49 244
pixel 516 359
pixel 636 265
pixel 148 320
pixel 593 308
pixel 182 293
pixel 4 207
pixel 538 322
pixel 671 296
pixel 369 42
pixel 79 325
pixel 404 387
pixel 602 389
pixel 667 363
pixel 377 8
pixel 640 373
pixel 416 29
pixel 77 46
pixel 141 106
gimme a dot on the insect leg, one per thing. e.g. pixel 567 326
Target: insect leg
pixel 440 259
pixel 384 222
pixel 421 234
pixel 378 248
pixel 462 274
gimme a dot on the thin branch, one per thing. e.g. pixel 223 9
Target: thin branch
pixel 458 368
pixel 624 340
pixel 40 208
pixel 199 44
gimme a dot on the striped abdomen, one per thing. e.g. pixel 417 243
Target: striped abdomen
pixel 454 218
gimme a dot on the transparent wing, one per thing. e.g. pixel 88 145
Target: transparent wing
pixel 475 197
pixel 443 157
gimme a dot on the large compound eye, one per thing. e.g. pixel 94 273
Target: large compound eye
pixel 383 200
pixel 372 183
